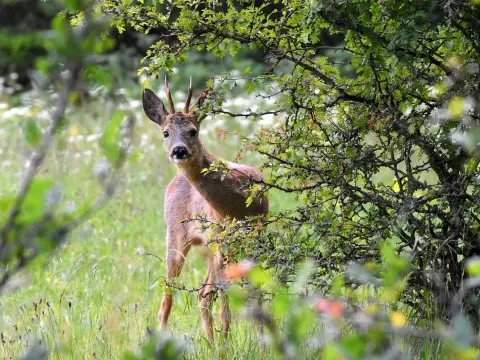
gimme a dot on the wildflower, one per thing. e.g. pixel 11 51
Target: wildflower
pixel 334 308
pixel 397 319
pixel 235 271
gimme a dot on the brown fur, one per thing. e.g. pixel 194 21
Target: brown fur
pixel 191 193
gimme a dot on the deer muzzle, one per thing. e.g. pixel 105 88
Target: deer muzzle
pixel 180 154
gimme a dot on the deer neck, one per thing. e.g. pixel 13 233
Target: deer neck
pixel 222 191
pixel 217 190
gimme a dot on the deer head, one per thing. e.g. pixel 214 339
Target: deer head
pixel 180 129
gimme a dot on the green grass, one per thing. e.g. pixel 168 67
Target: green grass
pixel 98 294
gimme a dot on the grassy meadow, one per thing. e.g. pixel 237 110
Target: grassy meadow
pixel 101 291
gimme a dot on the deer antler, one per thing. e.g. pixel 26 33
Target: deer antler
pixel 189 97
pixel 169 96
pixel 199 103
pixel 202 97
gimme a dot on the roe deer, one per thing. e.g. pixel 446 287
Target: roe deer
pixel 192 192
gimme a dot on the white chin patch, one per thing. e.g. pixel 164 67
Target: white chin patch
pixel 178 160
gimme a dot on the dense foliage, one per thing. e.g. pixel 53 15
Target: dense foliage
pixel 375 153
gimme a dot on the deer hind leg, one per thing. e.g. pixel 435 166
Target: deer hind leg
pixel 215 274
pixel 175 262
pixel 225 314
pixel 205 300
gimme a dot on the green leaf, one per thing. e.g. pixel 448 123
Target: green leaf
pixel 472 165
pixel 392 259
pixel 456 107
pixel 338 285
pixel 234 47
pixel 43 65
pixel 280 303
pixel 299 323
pixel 33 206
pixel 331 352
pixel 62 125
pixel 258 276
pixel 98 74
pixel 110 138
pixel 32 133
pixel 6 204
pixel 473 266
pixel 75 5
pixel 250 87
pixel 354 346
pixel 237 297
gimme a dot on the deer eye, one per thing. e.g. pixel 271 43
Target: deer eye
pixel 165 134
pixel 193 133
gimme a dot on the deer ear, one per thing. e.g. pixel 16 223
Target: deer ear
pixel 153 107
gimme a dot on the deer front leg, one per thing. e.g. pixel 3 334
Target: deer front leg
pixel 175 261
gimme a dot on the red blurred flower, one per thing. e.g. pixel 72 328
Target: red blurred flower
pixel 334 308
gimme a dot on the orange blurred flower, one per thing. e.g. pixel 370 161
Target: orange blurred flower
pixel 334 308
pixel 235 271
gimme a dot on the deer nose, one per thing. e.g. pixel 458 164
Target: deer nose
pixel 179 152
